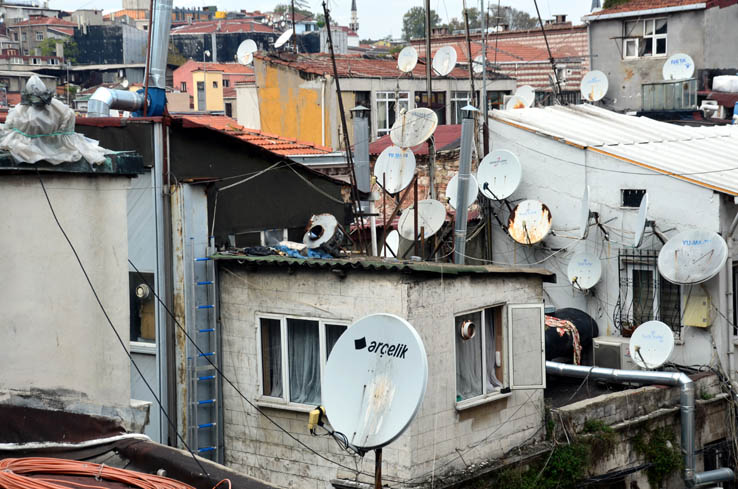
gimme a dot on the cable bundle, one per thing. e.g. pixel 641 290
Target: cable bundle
pixel 15 472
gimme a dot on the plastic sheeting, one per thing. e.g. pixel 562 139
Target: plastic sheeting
pixel 41 128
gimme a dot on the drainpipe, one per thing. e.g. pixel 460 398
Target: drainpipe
pixel 686 401
pixel 322 111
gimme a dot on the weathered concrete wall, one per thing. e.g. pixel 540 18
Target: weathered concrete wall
pixel 720 36
pixel 258 448
pixel 56 337
pixel 247 106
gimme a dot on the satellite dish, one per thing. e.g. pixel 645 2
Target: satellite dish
pixel 407 59
pixel 584 214
pixel 679 66
pixel 651 344
pixel 642 221
pixel 584 270
pixel 396 167
pixel 478 65
pixel 452 190
pixel 413 127
pixel 692 257
pixel 391 244
pixel 529 222
pixel 286 35
pixel 375 380
pixel 445 60
pixel 323 231
pixel 431 216
pixel 594 86
pixel 499 174
pixel 516 102
pixel 245 52
pixel 125 83
pixel 527 93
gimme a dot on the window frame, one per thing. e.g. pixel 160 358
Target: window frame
pixel 457 99
pixel 283 401
pixel 183 86
pixel 656 313
pixel 39 35
pixel 402 96
pixel 641 25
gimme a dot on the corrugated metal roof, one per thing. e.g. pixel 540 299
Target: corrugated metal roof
pixel 379 265
pixel 705 156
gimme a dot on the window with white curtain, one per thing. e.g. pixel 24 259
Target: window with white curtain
pixel 498 351
pixel 386 109
pixel 293 352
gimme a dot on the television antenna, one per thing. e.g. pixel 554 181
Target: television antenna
pixel 413 127
pixel 431 216
pixel 281 40
pixel 584 270
pixel 407 59
pixel 245 52
pixel 445 60
pixel 593 86
pixel 499 174
pixel 395 167
pixel 529 222
pixel 678 66
pixel 692 257
pixel 375 381
pixel 452 190
pixel 651 344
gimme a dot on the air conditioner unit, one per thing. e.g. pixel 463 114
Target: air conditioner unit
pixel 613 352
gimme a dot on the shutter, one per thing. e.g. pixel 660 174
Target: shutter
pixel 527 346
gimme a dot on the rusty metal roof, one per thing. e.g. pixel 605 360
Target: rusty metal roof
pixel 374 264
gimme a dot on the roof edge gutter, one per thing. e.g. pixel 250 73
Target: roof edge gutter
pixel 687 409
pixel 650 11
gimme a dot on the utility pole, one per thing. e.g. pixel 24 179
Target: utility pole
pixel 484 108
pixel 429 84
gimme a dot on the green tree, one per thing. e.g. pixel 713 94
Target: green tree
pixel 514 18
pixel 48 48
pixel 475 18
pixel 300 8
pixel 413 22
pixel 614 3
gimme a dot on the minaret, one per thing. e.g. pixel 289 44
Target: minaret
pixel 354 25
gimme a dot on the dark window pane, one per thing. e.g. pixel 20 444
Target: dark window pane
pixel 647 46
pixel 303 344
pixel 271 357
pixel 332 333
pixel 669 304
pixel 661 46
pixel 493 345
pixel 632 197
pixel 643 295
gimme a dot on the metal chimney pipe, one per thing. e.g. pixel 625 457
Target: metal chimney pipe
pixel 162 24
pixel 105 99
pixel 462 192
pixel 361 148
pixel 686 401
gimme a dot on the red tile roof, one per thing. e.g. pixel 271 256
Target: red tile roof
pixel 226 68
pixel 223 25
pixel 275 144
pixel 446 137
pixel 635 5
pixel 504 52
pixel 42 20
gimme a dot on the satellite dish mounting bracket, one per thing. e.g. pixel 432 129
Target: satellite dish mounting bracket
pixel 600 225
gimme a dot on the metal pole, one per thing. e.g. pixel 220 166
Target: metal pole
pixel 485 108
pixel 148 61
pixel 550 56
pixel 429 85
pixel 384 213
pixel 378 468
pixel 415 217
pixel 467 133
pixel 294 32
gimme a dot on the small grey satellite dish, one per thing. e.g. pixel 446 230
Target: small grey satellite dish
pixel 413 127
pixel 651 344
pixel 375 380
pixel 431 216
pixel 692 257
pixel 391 244
pixel 642 221
pixel 678 66
pixel 395 166
pixel 594 86
pixel 516 102
pixel 584 214
pixel 478 65
pixel 529 222
pixel 286 35
pixel 584 270
pixel 445 60
pixel 323 231
pixel 452 190
pixel 407 59
pixel 527 93
pixel 245 52
pixel 499 174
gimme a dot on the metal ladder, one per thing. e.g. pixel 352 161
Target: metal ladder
pixel 204 422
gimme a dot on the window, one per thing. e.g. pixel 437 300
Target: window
pixel 183 86
pixel 438 104
pixel 494 355
pixel 293 353
pixel 229 109
pixel 226 83
pixel 215 84
pixel 142 305
pixel 458 101
pixel 386 106
pixel 23 37
pixel 643 38
pixel 39 36
pixel 630 197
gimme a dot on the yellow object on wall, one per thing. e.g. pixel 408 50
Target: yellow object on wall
pixel 213 83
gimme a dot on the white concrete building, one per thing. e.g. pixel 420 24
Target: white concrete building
pixel 690 176
pixel 274 308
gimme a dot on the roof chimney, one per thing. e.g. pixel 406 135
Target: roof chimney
pixel 560 18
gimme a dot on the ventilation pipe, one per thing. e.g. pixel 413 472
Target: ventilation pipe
pixel 686 401
pixel 467 142
pixel 105 99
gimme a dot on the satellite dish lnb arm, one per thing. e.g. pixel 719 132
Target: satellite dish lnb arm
pixel 662 237
pixel 599 225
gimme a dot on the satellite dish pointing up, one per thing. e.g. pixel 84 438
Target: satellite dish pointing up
pixel 445 60
pixel 692 257
pixel 375 380
pixel 286 35
pixel 594 86
pixel 413 127
pixel 246 50
pixel 651 344
pixel 407 59
pixel 499 174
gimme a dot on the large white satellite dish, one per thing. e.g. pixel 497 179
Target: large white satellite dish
pixel 584 270
pixel 445 60
pixel 516 102
pixel 391 244
pixel 407 59
pixel 245 52
pixel 642 221
pixel 651 344
pixel 452 190
pixel 413 127
pixel 678 66
pixel 286 35
pixel 375 380
pixel 431 216
pixel 499 174
pixel 478 64
pixel 395 166
pixel 692 257
pixel 584 214
pixel 529 222
pixel 527 93
pixel 594 86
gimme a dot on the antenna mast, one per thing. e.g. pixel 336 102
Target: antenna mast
pixel 429 84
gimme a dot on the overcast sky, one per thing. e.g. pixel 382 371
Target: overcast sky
pixel 377 18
